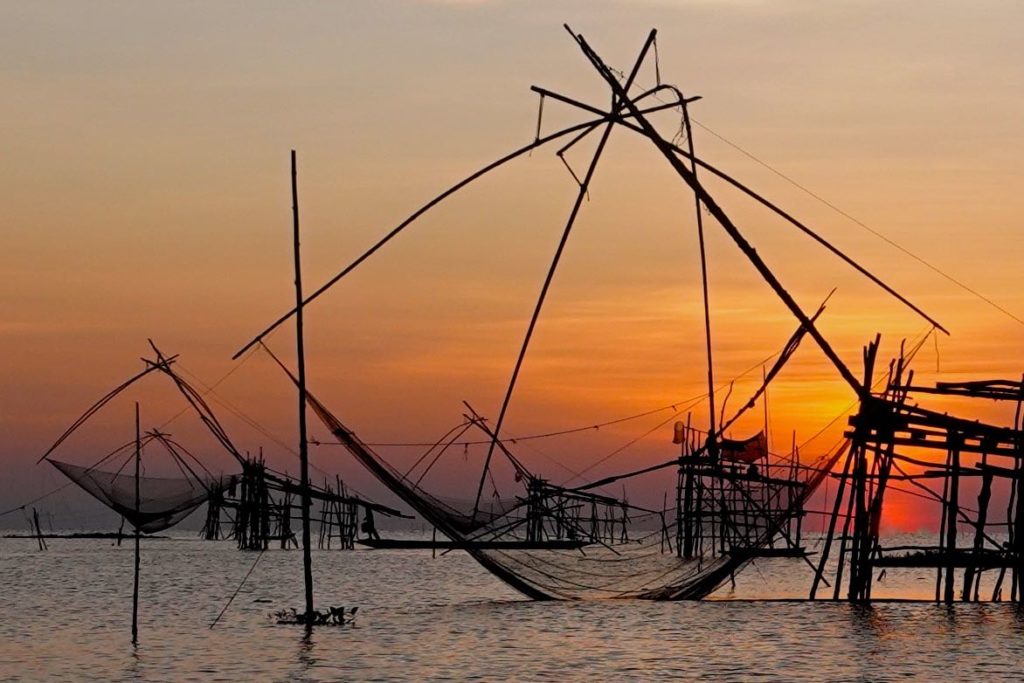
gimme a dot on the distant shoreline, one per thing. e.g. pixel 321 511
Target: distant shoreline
pixel 81 534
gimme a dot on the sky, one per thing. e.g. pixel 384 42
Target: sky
pixel 145 195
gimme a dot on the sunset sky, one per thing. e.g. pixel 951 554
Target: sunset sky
pixel 145 194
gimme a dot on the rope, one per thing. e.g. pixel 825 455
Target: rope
pixel 843 213
pixel 863 225
pixel 674 407
pixel 244 579
pixel 208 389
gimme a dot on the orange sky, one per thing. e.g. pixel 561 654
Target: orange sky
pixel 145 158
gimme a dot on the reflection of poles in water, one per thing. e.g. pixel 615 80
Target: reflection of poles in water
pixel 369 527
pixel 38 529
pixel 135 592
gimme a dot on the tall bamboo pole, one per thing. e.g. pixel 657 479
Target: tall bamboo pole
pixel 712 432
pixel 307 559
pixel 582 194
pixel 135 591
pixel 712 206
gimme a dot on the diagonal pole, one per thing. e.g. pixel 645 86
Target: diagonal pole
pixel 761 199
pixel 539 142
pixel 723 219
pixel 580 196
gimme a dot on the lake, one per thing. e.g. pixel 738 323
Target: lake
pixel 66 615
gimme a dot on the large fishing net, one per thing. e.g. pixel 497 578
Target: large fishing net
pixel 150 504
pixel 162 502
pixel 559 543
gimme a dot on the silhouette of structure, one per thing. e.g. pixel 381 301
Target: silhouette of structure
pixel 263 509
pixel 893 442
pixel 149 504
pixel 733 499
pixel 259 509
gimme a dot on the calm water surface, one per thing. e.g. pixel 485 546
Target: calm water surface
pixel 65 615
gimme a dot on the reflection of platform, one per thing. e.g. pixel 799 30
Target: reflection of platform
pixel 384 543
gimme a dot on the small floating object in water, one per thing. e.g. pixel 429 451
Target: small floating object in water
pixel 334 616
pixel 339 617
pixel 262 600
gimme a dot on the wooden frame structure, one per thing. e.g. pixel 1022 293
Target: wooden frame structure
pixel 724 514
pixel 893 439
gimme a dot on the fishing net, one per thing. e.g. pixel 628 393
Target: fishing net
pixel 448 514
pixel 162 502
pixel 558 543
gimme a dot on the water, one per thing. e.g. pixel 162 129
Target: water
pixel 65 615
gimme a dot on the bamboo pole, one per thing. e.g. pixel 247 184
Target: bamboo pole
pixel 39 530
pixel 1017 503
pixel 625 122
pixel 585 126
pixel 942 525
pixel 712 432
pixel 951 517
pixel 135 590
pixel 730 228
pixel 582 194
pixel 307 559
pixel 972 578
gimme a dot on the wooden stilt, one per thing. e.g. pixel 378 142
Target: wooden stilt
pixel 951 517
pixel 135 591
pixel 972 579
pixel 39 531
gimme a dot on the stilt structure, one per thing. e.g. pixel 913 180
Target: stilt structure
pixel 211 527
pixel 253 508
pixel 264 509
pixel 895 440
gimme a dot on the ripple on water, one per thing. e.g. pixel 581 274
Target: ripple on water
pixel 66 616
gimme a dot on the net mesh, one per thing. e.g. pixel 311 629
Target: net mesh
pixel 557 543
pixel 162 502
pixel 451 515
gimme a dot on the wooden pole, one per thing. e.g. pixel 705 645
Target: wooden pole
pixel 951 517
pixel 942 526
pixel 582 194
pixel 712 206
pixel 712 433
pixel 585 126
pixel 135 591
pixel 1017 520
pixel 972 578
pixel 39 531
pixel 307 559
pixel 820 573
